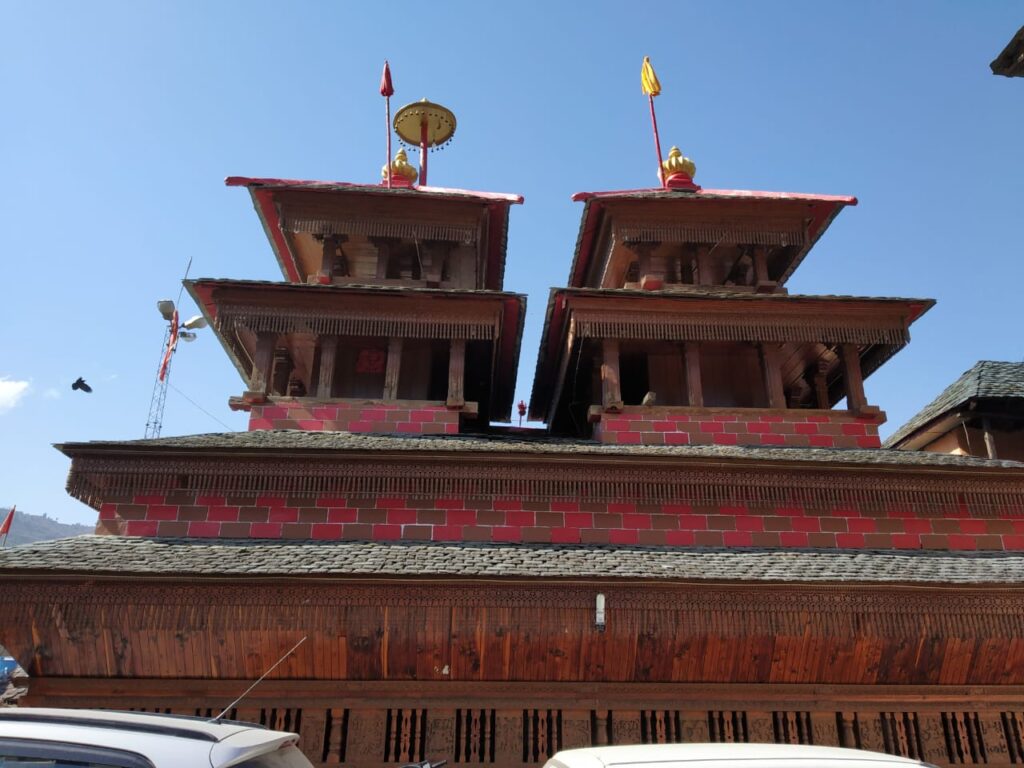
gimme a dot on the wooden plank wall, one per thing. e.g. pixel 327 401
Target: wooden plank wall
pixel 374 725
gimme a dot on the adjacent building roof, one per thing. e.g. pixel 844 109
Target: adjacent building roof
pixel 1010 63
pixel 987 379
pixel 196 558
pixel 289 441
pixel 263 190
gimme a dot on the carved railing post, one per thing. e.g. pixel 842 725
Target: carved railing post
pixel 391 372
pixel 328 355
pixel 263 359
pixel 611 390
pixel 694 388
pixel 852 376
pixel 772 375
pixel 456 374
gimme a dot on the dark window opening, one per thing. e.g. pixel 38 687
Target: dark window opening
pixel 731 375
pixel 360 367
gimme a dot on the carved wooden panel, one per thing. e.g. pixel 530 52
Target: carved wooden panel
pixel 474 736
pixel 660 726
pixel 792 728
pixel 727 726
pixel 965 742
pixel 335 738
pixel 542 734
pixel 405 735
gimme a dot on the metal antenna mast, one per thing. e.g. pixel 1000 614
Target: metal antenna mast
pixel 175 330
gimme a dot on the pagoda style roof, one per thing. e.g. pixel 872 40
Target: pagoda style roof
pixel 292 442
pixel 694 312
pixel 985 380
pixel 809 217
pixel 420 212
pixel 408 311
pixel 197 558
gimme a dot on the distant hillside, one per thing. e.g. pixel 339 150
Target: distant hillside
pixel 28 528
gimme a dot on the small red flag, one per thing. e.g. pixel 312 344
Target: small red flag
pixel 386 89
pixel 5 526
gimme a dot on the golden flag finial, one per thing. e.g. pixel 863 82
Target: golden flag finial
pixel 648 80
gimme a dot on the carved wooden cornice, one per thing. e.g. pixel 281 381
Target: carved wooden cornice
pixel 381 227
pixel 480 322
pixel 751 232
pixel 94 478
pixel 699 322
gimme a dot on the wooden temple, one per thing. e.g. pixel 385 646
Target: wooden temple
pixel 708 543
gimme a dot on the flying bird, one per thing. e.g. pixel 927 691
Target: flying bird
pixel 80 384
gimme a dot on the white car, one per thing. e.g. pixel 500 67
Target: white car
pixel 62 738
pixel 726 756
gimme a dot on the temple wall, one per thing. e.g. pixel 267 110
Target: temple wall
pixel 539 519
pixel 638 425
pixel 384 418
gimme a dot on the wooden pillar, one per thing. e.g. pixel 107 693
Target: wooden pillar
pixel 852 377
pixel 329 258
pixel 704 265
pixel 384 246
pixel 281 371
pixel 433 254
pixel 772 375
pixel 456 374
pixel 393 368
pixel 263 359
pixel 763 283
pixel 990 439
pixel 328 355
pixel 694 388
pixel 611 391
pixel 821 385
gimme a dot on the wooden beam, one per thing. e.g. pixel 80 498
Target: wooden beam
pixel 704 265
pixel 393 368
pixel 763 283
pixel 328 355
pixel 852 377
pixel 611 390
pixel 694 388
pixel 821 385
pixel 990 439
pixel 772 372
pixel 651 266
pixel 456 374
pixel 263 359
pixel 384 246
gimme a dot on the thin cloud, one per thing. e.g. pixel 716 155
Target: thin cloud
pixel 11 392
pixel 51 393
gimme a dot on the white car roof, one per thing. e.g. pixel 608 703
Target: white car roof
pixel 770 755
pixel 148 734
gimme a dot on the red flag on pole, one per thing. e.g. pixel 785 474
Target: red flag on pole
pixel 5 526
pixel 172 342
pixel 387 91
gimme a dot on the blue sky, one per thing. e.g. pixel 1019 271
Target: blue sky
pixel 122 119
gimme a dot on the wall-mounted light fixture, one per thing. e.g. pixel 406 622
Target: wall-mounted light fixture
pixel 599 612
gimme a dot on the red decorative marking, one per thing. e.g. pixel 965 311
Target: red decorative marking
pixel 449 503
pixel 148 500
pixel 917 526
pixel 821 441
pixel 869 441
pixel 974 526
pixel 773 440
pixel 1013 542
pixel 854 429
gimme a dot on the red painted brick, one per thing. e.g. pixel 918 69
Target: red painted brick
pixel 793 538
pixel 565 535
pixel 155 512
pixel 148 499
pixel 265 530
pixel 273 501
pixel 506 533
pixel 283 515
pixel 906 541
pixel 401 516
pixel 805 429
pixel 447 533
pixel 341 515
pixel 615 425
pixel 962 541
pixel 676 509
pixel 385 502
pixel 822 441
pixel 854 429
pixel 421 415
pixel 621 508
pixel 790 511
pixel 850 540
pixel 451 429
pixel 565 506
pixel 636 521
pixel 387 532
pixel 222 515
pixel 861 525
pixel 917 526
pixel 461 516
pixel 722 439
pixel 869 441
pixel 210 501
pixel 737 538
pixel 712 426
pixel 507 505
pixel 623 536
pixel 973 526
pixel 521 517
pixel 806 524
pixel 772 418
pixel 109 511
pixel 255 424
pixel 677 438
pixel 754 427
pixel 628 438
pixel 579 519
pixel 664 426
pixel 723 417
pixel 1013 542
pixel 693 522
pixel 202 529
pixel 749 523
pixel 680 538
pixel 141 527
pixel 773 439
pixel 327 530
pixel 817 418
pixel 449 503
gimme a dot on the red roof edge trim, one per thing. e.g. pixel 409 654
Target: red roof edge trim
pixel 272 224
pixel 552 348
pixel 591 226
pixel 246 181
pixel 737 193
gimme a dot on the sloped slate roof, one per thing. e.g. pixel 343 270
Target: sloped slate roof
pixel 124 555
pixel 287 440
pixel 986 379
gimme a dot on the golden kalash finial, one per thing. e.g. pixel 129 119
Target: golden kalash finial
pixel 402 173
pixel 679 170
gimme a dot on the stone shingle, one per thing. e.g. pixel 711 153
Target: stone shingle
pixel 229 557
